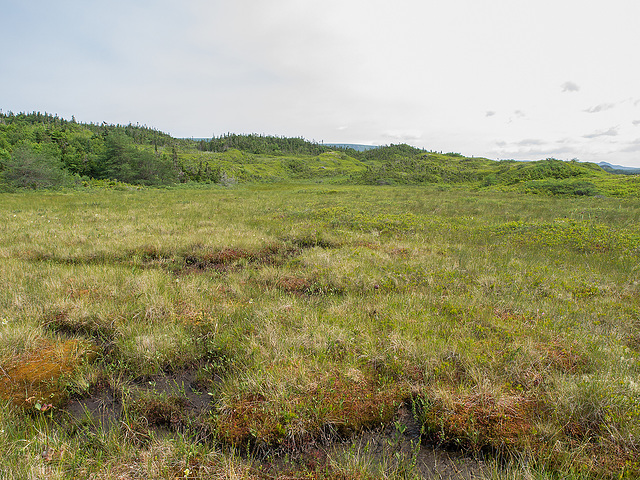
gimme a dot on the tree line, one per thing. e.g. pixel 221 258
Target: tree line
pixel 263 145
pixel 44 151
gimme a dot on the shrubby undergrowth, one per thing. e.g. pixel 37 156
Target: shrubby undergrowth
pixel 67 153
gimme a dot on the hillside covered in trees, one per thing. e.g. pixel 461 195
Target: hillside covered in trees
pixel 45 151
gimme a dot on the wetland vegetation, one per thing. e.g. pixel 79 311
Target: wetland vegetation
pixel 279 320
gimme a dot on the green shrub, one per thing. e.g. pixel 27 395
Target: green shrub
pixel 562 187
pixel 129 164
pixel 30 168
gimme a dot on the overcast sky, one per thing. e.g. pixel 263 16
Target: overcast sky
pixel 502 79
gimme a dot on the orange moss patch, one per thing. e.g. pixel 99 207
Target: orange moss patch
pixel 336 404
pixel 35 378
pixel 294 284
pixel 247 417
pixel 564 358
pixel 612 461
pixel 479 420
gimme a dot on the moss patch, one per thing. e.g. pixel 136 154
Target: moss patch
pixel 336 405
pixel 37 378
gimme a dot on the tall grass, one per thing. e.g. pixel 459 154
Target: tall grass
pixel 509 324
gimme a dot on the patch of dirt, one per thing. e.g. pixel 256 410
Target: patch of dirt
pixel 400 252
pixel 401 441
pixel 312 241
pixel 369 245
pixel 398 446
pixel 394 448
pixel 229 258
pixel 183 385
pixel 191 259
pixel 102 409
pixel 165 400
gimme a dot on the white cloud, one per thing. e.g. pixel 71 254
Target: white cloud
pixel 534 149
pixel 402 136
pixel 611 132
pixel 600 108
pixel 530 141
pixel 570 87
pixel 517 115
pixel 632 147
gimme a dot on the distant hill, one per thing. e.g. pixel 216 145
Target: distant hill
pixel 45 151
pixel 619 169
pixel 353 146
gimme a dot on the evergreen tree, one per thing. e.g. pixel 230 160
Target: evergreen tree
pixel 30 168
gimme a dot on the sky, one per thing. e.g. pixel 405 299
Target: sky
pixel 502 79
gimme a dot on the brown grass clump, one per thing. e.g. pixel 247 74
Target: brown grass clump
pixel 151 252
pixel 37 377
pixel 400 252
pixel 564 358
pixel 336 405
pixel 508 315
pixel 229 258
pixel 292 284
pixel 220 260
pixel 64 322
pixel 479 420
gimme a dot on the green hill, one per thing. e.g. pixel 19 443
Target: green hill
pixel 45 151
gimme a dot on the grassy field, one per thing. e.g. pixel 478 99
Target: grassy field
pixel 237 332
